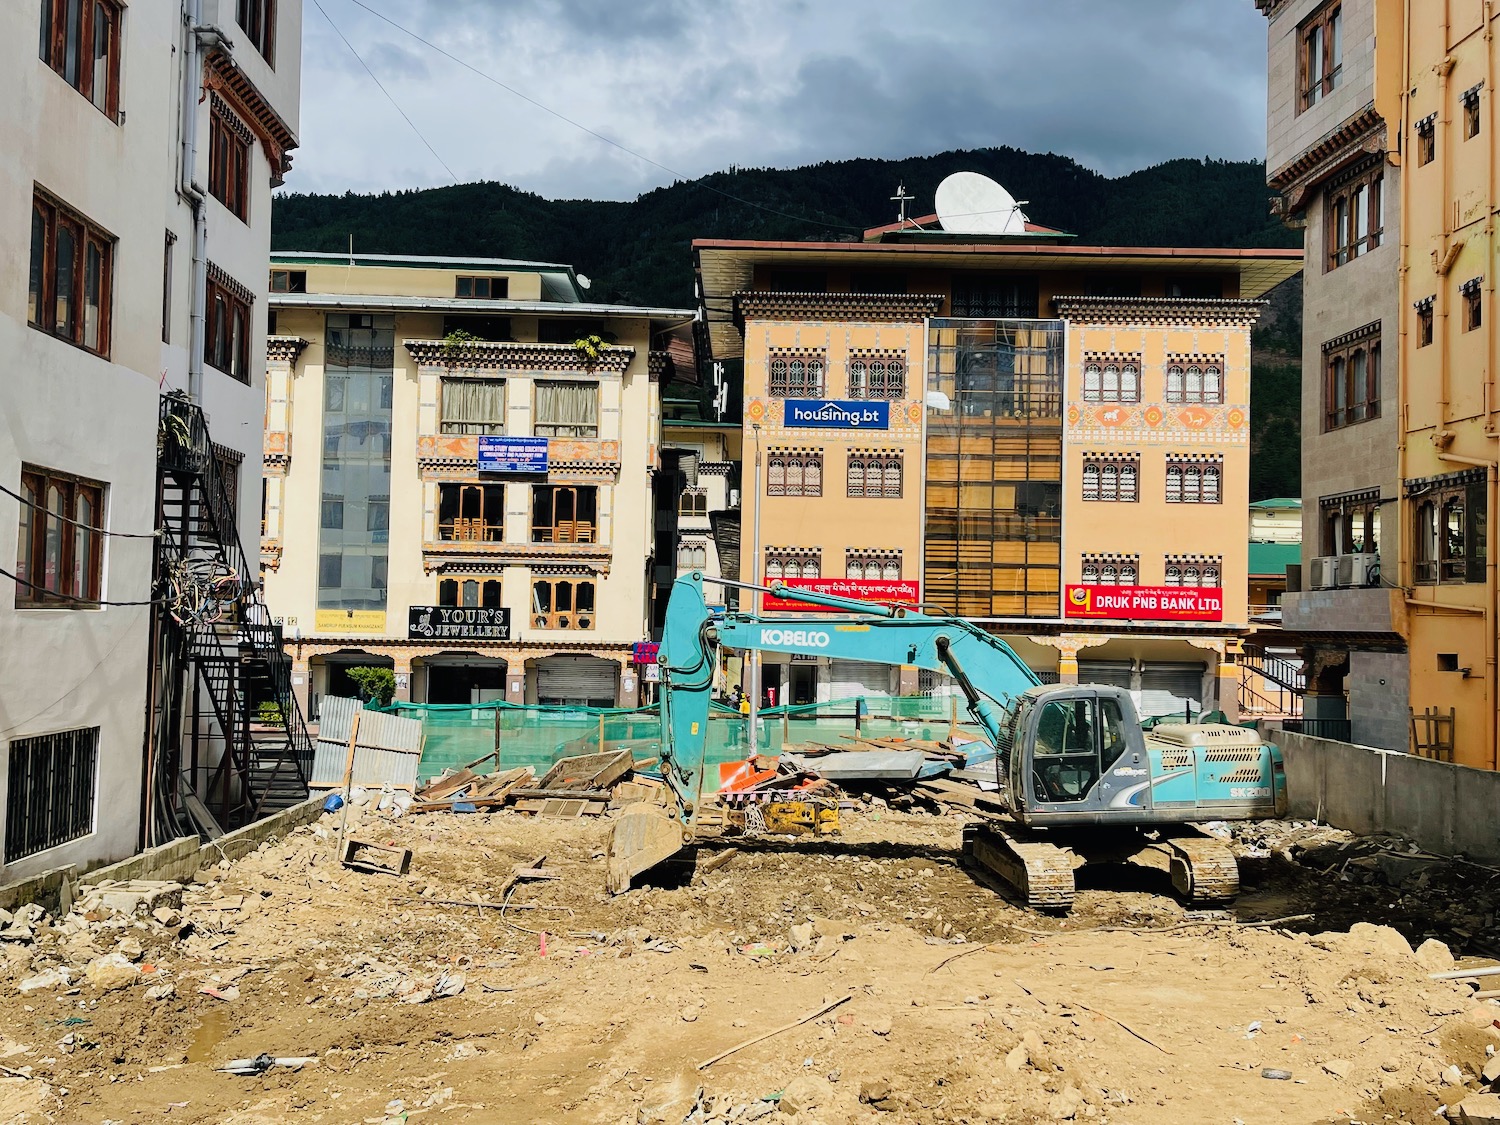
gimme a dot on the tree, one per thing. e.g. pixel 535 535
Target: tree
pixel 376 685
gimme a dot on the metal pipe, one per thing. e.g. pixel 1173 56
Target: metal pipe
pixel 1465 974
pixel 752 740
pixel 1445 137
pixel 1491 600
pixel 192 90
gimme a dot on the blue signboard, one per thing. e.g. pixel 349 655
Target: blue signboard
pixel 835 414
pixel 512 455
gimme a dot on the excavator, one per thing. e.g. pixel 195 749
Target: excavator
pixel 1076 779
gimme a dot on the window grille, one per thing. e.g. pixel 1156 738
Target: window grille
pixel 50 791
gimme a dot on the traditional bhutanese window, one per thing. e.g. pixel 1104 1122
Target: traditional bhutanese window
pixel 1111 378
pixel 1195 379
pixel 874 473
pixel 880 376
pixel 1110 570
pixel 1111 477
pixel 794 472
pixel 1195 479
pixel 796 375
pixel 793 562
pixel 1194 570
pixel 872 565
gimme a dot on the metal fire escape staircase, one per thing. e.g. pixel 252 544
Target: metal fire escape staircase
pixel 228 742
pixel 1283 685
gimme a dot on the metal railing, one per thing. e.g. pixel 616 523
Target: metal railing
pixel 1339 730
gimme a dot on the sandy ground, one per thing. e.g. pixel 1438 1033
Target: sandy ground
pixel 961 1007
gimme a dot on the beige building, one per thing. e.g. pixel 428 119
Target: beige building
pixel 141 143
pixel 458 485
pixel 1047 438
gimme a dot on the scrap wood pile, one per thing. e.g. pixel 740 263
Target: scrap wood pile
pixel 579 785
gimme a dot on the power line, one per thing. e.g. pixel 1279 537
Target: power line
pixel 70 598
pixel 125 635
pixel 79 523
pixel 579 125
pixel 386 92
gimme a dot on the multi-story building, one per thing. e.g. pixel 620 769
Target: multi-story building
pixel 1047 438
pixel 1341 179
pixel 459 463
pixel 1381 137
pixel 140 148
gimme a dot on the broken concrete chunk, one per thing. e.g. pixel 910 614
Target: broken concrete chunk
pixel 160 992
pixel 51 978
pixel 130 948
pixel 140 896
pixel 801 936
pixel 804 1093
pixel 1478 1109
pixel 1452 1076
pixel 1434 956
pixel 110 972
pixel 1491 1072
pixel 1339 1068
pixel 1383 938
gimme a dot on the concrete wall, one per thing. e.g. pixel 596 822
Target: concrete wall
pixel 1443 808
pixel 1289 132
pixel 1377 684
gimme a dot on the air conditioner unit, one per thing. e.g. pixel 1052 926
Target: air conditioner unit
pixel 1324 573
pixel 1358 570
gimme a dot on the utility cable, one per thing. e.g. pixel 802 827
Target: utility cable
pixel 591 132
pixel 70 598
pixel 386 92
pixel 79 523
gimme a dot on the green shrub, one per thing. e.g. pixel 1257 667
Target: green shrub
pixel 376 685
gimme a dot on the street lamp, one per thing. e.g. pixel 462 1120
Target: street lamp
pixel 752 738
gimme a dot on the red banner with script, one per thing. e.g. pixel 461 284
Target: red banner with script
pixel 863 589
pixel 1146 603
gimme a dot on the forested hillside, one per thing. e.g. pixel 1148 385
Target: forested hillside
pixel 638 252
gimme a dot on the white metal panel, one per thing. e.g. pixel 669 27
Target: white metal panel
pixel 576 679
pixel 853 679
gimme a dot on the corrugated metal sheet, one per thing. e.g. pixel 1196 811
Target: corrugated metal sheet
pixel 892 765
pixel 388 751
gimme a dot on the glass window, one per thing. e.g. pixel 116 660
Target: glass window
pixel 1066 764
pixel 472 406
pixel 567 410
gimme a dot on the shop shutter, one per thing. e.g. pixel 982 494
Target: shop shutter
pixel 577 680
pixel 854 679
pixel 1168 689
pixel 1114 673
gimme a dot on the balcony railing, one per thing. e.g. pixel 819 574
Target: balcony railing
pixel 1339 730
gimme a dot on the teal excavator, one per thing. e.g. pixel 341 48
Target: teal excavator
pixel 1076 778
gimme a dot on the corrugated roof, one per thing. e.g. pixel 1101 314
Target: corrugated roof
pixel 1274 558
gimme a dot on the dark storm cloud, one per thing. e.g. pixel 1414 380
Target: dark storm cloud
pixel 1116 84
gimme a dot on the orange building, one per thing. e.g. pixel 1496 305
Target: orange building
pixel 1048 438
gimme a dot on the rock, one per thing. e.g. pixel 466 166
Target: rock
pixel 1491 1071
pixel 994 1111
pixel 140 896
pixel 689 1015
pixel 1065 1106
pixel 1016 1061
pixel 110 972
pixel 1430 1071
pixel 1397 869
pixel 1339 1068
pixel 804 1093
pixel 1478 1109
pixel 1390 1066
pixel 1434 956
pixel 167 916
pixel 1452 1076
pixel 881 1026
pixel 131 949
pixel 51 978
pixel 160 992
pixel 801 936
pixel 1383 938
pixel 874 1090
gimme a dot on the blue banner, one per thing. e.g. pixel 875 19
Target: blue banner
pixel 836 414
pixel 512 455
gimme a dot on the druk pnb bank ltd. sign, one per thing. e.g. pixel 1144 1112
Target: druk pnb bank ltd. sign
pixel 836 414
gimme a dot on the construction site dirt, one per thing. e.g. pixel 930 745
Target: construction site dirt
pixel 863 977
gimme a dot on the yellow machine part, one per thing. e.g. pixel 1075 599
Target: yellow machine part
pixel 800 818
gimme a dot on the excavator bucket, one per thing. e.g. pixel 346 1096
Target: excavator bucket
pixel 643 836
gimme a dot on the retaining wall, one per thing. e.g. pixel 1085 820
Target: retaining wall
pixel 1443 808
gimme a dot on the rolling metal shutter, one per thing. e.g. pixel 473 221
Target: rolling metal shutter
pixel 854 679
pixel 577 680
pixel 1168 689
pixel 1114 673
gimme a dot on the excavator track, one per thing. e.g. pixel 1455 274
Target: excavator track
pixel 1203 869
pixel 1042 873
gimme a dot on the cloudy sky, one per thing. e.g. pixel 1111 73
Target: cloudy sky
pixel 699 85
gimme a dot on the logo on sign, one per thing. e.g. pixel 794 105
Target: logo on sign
pixel 837 414
pixel 805 638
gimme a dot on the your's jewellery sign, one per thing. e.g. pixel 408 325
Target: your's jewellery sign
pixel 836 414
pixel 458 622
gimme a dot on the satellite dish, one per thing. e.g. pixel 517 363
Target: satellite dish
pixel 968 203
pixel 584 282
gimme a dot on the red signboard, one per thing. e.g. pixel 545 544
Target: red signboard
pixel 1146 603
pixel 863 589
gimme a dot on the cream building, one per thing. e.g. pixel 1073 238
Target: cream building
pixel 454 488
pixel 141 142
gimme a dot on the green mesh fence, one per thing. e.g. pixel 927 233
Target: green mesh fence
pixel 538 736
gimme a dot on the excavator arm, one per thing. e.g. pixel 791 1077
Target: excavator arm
pixel 985 667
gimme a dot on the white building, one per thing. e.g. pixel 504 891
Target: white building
pixel 140 142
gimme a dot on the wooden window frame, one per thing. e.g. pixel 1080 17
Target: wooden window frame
pixel 1437 558
pixel 224 310
pixel 1472 292
pixel 257 19
pixel 574 530
pixel 1192 481
pixel 696 551
pixel 881 475
pixel 229 163
pixel 1424 322
pixel 571 619
pixel 693 503
pixel 65 589
pixel 546 429
pixel 1184 393
pixel 1340 518
pixel 864 561
pixel 794 472
pixel 876 377
pixel 1112 480
pixel 782 559
pixel 484 586
pixel 288 281
pixel 53 47
pixel 455 426
pixel 1360 199
pixel 1426 140
pixel 1104 379
pixel 88 238
pixel 1345 401
pixel 1320 62
pixel 1205 572
pixel 471 511
pixel 1110 570
pixel 796 375
pixel 1472 120
pixel 495 288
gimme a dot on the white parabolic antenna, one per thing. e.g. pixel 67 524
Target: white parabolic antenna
pixel 968 203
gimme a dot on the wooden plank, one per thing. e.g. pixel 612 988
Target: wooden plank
pixel 563 793
pixel 450 784
pixel 588 771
